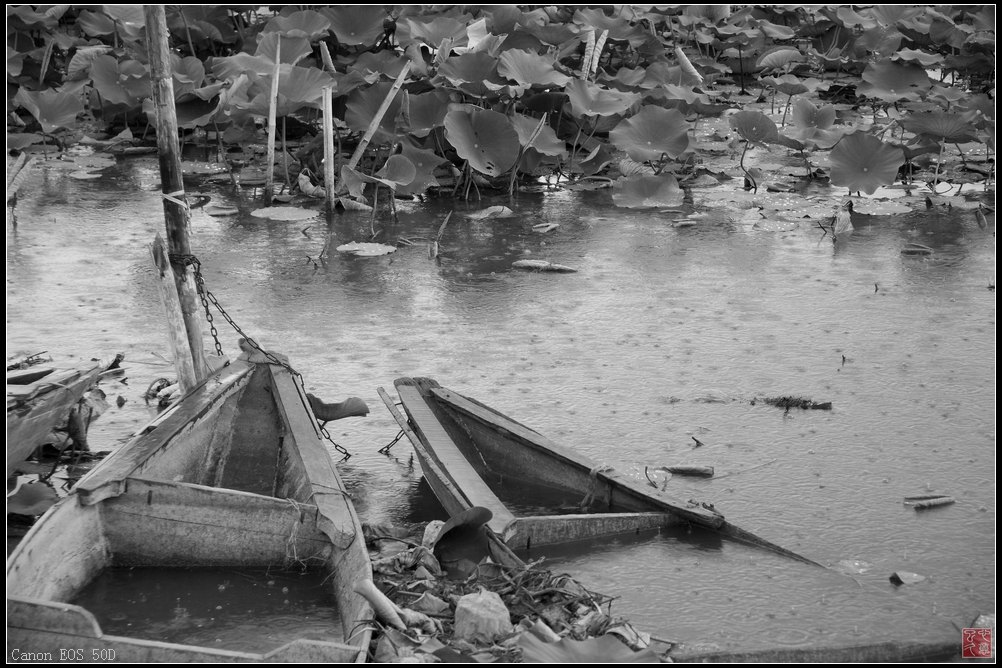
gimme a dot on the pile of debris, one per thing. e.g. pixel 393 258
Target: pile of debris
pixel 445 599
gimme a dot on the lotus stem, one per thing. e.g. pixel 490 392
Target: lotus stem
pixel 939 160
pixel 785 110
pixel 741 164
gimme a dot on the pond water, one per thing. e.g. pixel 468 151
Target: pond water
pixel 664 334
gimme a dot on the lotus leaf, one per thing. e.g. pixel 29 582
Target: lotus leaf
pixel 862 162
pixel 882 41
pixel 306 23
pixel 470 68
pixel 397 171
pixel 755 127
pixel 356 24
pixel 646 191
pixel 891 81
pixel 298 87
pixel 25 16
pixel 526 67
pixel 779 57
pixel 590 100
pixel 424 162
pixel 652 133
pixel 921 57
pixel 485 138
pixel 385 63
pixel 426 112
pixel 619 28
pixel 126 82
pixel 939 126
pixel 293 49
pixel 362 105
pixel 19 140
pixel 52 109
pixel 95 24
pixel 546 142
pixel 433 32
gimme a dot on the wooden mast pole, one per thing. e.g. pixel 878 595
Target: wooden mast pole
pixel 176 213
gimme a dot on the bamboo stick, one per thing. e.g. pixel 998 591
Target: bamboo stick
pixel 269 178
pixel 177 216
pixel 367 137
pixel 329 157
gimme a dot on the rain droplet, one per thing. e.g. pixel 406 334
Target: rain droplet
pixel 866 169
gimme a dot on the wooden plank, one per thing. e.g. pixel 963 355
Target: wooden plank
pixel 536 531
pixel 398 416
pixel 451 460
pixel 562 456
pixel 154 449
pixel 184 363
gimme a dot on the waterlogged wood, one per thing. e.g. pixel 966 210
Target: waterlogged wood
pixel 700 471
pixel 933 503
pixel 177 333
pixel 542 265
pixel 536 531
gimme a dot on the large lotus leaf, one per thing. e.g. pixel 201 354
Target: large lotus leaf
pixel 891 81
pixel 806 115
pixel 51 108
pixel 921 57
pixel 647 190
pixel 862 162
pixel 24 16
pixel 775 31
pixel 619 28
pixel 432 31
pixel 189 73
pixel 306 23
pixel 424 162
pixel 468 68
pixel 194 113
pixel 298 87
pixel 851 19
pixel 293 49
pixel 881 41
pixel 427 112
pixel 651 134
pixel 96 23
pixel 362 105
pixel 554 34
pixel 546 142
pixel 384 62
pixel 485 138
pixel 126 82
pixel 590 100
pixel 939 126
pixel 356 24
pixel 210 23
pixel 755 127
pixel 779 58
pixel 526 67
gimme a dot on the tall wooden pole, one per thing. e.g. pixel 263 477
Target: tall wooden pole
pixel 269 176
pixel 329 157
pixel 176 212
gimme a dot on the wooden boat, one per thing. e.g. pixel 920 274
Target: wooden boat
pixel 468 452
pixel 235 475
pixel 38 399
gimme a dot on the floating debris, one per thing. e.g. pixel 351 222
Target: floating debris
pixel 542 265
pixel 366 249
pixel 795 402
pixel 904 577
pixel 916 249
pixel 285 213
pixel 699 471
pixel 929 501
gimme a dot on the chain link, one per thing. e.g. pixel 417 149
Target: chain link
pixel 207 297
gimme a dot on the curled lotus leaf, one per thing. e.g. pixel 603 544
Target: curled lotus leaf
pixel 546 142
pixel 425 161
pixel 485 138
pixel 807 115
pixel 646 191
pixel 397 171
pixel 755 127
pixel 526 67
pixel 356 24
pixel 51 108
pixel 862 162
pixel 587 99
pixel 940 126
pixel 652 133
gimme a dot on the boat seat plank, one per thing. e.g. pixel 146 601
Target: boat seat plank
pixel 452 461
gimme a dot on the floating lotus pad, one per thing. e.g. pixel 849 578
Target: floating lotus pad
pixel 285 213
pixel 366 249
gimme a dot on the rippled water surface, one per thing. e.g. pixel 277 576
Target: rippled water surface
pixel 664 334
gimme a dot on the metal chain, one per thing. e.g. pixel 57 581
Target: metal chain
pixel 207 297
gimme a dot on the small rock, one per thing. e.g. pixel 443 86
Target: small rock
pixel 481 617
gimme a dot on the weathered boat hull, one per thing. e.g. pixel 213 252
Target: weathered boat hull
pixel 38 399
pixel 467 450
pixel 235 475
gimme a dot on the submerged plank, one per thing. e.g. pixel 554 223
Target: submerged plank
pixel 528 532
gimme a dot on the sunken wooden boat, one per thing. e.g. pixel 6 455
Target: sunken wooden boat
pixel 469 451
pixel 233 476
pixel 38 399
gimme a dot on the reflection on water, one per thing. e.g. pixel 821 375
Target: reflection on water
pixel 664 334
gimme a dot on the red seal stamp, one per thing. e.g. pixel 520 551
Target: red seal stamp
pixel 977 644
